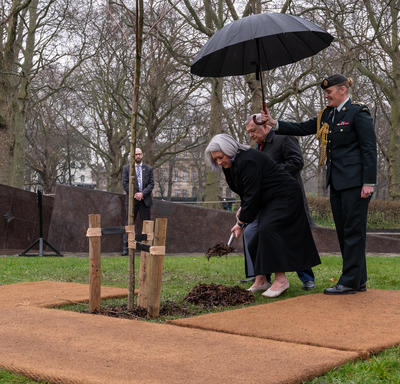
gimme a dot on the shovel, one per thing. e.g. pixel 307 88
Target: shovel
pixel 221 249
pixel 230 240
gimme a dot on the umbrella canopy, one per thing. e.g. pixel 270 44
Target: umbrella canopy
pixel 259 42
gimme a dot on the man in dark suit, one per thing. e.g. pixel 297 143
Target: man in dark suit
pixel 286 152
pixel 348 144
pixel 144 184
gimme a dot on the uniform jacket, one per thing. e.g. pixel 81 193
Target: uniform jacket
pixel 147 182
pixel 351 148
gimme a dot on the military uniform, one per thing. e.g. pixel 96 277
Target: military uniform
pixel 350 164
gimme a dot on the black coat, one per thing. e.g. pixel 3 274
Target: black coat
pixel 351 148
pixel 273 197
pixel 147 182
pixel 285 151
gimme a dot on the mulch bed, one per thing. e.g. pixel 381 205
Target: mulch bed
pixel 206 295
pixel 209 295
pixel 169 308
pixel 219 249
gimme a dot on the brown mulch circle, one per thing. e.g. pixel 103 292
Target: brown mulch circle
pixel 219 249
pixel 169 308
pixel 209 295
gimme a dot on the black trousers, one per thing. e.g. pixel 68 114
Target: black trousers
pixel 350 213
pixel 139 208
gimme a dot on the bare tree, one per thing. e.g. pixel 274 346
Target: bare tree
pixel 32 35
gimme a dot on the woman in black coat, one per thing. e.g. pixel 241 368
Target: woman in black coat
pixel 272 197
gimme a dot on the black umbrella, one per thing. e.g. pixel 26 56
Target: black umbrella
pixel 259 42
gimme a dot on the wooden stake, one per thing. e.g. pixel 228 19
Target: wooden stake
pixel 144 268
pixel 94 266
pixel 157 262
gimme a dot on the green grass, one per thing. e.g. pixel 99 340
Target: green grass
pixel 181 274
pixel 10 378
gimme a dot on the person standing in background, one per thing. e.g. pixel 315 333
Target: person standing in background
pixel 144 184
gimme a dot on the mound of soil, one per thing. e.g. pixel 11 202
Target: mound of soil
pixel 219 249
pixel 210 295
pixel 169 308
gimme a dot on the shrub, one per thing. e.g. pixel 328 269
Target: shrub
pixel 382 214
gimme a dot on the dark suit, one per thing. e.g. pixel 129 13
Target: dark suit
pixel 140 206
pixel 350 163
pixel 286 153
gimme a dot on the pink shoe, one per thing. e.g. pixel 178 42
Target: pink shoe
pixel 271 293
pixel 259 288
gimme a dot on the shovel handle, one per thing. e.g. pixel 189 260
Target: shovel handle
pixel 265 110
pixel 230 240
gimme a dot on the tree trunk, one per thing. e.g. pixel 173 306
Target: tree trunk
pixel 255 88
pixel 135 110
pixel 394 148
pixel 212 178
pixel 171 165
pixel 13 104
pixel 8 86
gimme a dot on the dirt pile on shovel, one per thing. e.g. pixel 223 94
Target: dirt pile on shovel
pixel 219 249
pixel 209 295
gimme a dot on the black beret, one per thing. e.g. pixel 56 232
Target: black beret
pixel 333 80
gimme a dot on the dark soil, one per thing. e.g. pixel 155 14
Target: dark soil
pixel 169 308
pixel 206 295
pixel 209 295
pixel 219 249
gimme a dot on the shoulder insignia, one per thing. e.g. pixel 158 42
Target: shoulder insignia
pixel 361 105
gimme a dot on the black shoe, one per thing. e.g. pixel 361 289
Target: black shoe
pixel 307 285
pixel 124 253
pixel 339 289
pixel 251 279
pixel 363 287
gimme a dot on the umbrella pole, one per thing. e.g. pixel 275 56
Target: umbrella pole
pixel 264 105
pixel 259 75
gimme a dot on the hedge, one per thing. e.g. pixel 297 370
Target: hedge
pixel 382 214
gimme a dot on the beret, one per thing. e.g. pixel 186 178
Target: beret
pixel 333 80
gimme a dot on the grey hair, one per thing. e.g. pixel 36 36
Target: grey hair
pixel 250 119
pixel 223 143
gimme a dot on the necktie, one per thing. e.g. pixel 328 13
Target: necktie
pixel 139 176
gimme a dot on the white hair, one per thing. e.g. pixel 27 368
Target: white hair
pixel 250 118
pixel 223 143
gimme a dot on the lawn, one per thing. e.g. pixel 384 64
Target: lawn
pixel 181 274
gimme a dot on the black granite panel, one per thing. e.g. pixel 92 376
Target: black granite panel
pixel 19 217
pixel 190 229
pixel 195 229
pixel 70 218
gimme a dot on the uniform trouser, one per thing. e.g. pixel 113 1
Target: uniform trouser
pixel 140 208
pixel 350 213
pixel 249 233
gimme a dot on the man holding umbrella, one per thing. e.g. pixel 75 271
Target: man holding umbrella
pixel 348 144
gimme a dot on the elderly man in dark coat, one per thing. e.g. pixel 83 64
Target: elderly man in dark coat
pixel 348 145
pixel 286 152
pixel 270 195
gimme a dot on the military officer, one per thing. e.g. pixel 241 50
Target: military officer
pixel 346 133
